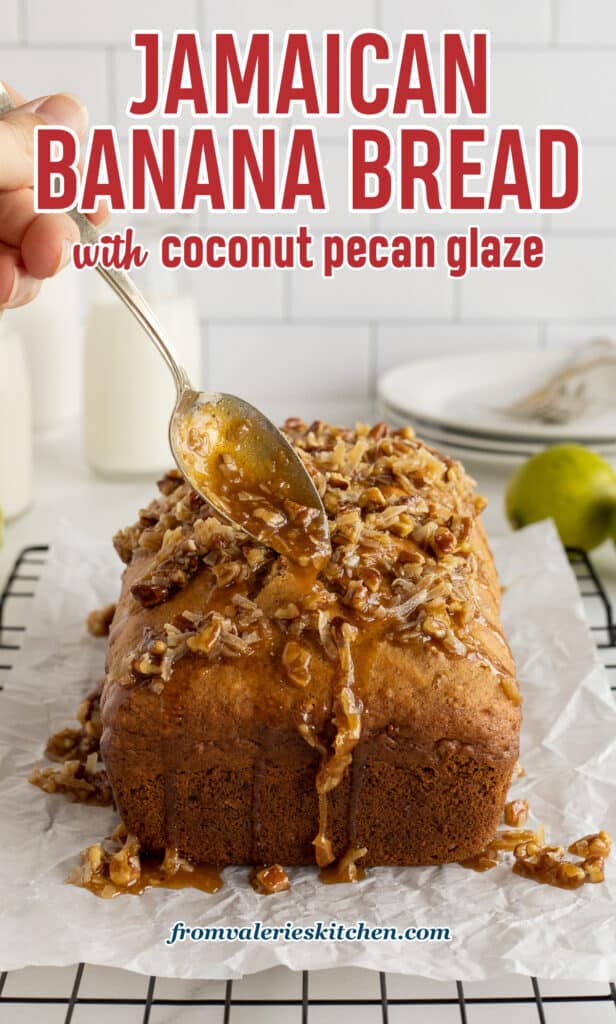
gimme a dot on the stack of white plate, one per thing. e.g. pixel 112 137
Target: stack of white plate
pixel 457 403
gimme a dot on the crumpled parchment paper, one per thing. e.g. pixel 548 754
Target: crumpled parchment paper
pixel 500 923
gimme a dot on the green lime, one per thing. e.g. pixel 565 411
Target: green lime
pixel 569 484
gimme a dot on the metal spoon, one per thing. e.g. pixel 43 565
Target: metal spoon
pixel 258 448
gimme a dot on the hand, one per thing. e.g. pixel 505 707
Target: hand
pixel 32 245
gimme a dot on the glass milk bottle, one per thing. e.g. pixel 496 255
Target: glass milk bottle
pixel 15 426
pixel 51 330
pixel 129 392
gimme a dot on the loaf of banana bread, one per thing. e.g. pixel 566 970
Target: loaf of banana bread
pixel 372 717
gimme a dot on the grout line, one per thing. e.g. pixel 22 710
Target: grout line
pixel 599 140
pixel 532 48
pixel 554 21
pixel 51 47
pixel 206 361
pixel 456 304
pixel 548 46
pixel 325 141
pixel 402 321
pixel 279 227
pixel 287 297
pixel 373 357
pixel 112 92
pixel 586 233
pixel 200 16
pixel 22 22
pixel 333 141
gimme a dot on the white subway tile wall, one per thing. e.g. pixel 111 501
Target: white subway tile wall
pixel 10 21
pixel 333 361
pixel 290 333
pixel 577 278
pixel 78 23
pixel 591 23
pixel 371 295
pixel 398 343
pixel 36 70
pixel 315 16
pixel 526 22
pixel 541 86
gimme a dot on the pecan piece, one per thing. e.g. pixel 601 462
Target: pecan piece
pixel 296 662
pixel 516 813
pixel 125 542
pixel 171 573
pixel 125 865
pixel 596 844
pixel 170 482
pixel 99 620
pixel 270 880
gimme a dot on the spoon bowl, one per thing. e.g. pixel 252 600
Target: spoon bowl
pixel 247 470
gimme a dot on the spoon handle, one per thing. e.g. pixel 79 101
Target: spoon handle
pixel 121 283
pixel 123 286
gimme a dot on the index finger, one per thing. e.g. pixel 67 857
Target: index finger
pixel 16 163
pixel 17 134
pixel 17 98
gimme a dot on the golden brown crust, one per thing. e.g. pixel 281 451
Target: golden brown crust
pixel 230 685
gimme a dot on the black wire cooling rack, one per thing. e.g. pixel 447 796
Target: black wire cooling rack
pixel 542 1004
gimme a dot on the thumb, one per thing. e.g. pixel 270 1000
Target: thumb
pixel 17 134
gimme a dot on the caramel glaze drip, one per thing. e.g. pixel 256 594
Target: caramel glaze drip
pixel 211 447
pixel 347 712
pixel 119 867
pixel 482 861
pixel 202 877
pixel 199 876
pixel 346 869
pixel 347 718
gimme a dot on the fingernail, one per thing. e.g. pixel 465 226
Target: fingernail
pixel 64 109
pixel 67 248
pixel 17 278
pixel 24 288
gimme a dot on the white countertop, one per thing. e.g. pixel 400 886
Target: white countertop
pixel 65 488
